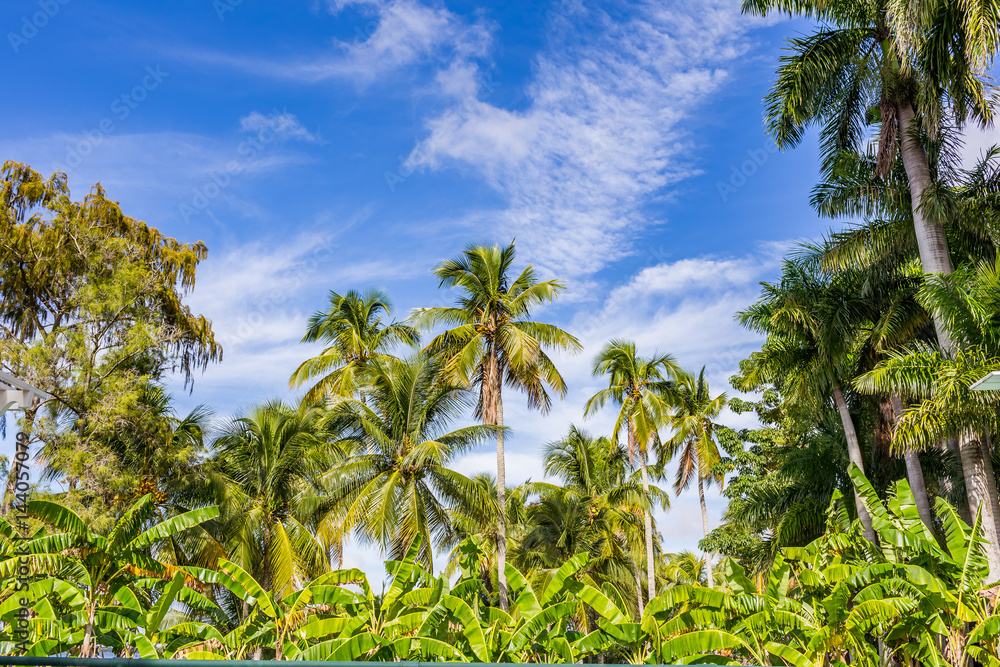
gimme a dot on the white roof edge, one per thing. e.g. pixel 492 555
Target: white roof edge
pixel 992 375
pixel 9 379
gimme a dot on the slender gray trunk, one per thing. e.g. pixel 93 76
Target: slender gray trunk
pixel 977 487
pixel 991 482
pixel 854 453
pixel 638 586
pixel 931 240
pixel 915 474
pixel 704 529
pixel 934 257
pixel 502 517
pixel 647 516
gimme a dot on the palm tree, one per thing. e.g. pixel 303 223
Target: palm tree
pixel 686 567
pixel 968 301
pixel 353 329
pixel 267 467
pixel 491 343
pixel 810 319
pixel 479 523
pixel 641 388
pixel 591 510
pixel 397 486
pixel 915 63
pixel 693 423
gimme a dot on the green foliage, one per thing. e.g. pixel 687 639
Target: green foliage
pixel 911 598
pixel 92 312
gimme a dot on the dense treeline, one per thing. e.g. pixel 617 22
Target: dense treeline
pixel 863 522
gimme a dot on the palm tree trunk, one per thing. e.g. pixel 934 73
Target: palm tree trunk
pixel 495 383
pixel 915 474
pixel 854 453
pixel 934 257
pixel 638 585
pixel 932 243
pixel 648 521
pixel 991 482
pixel 704 528
pixel 974 467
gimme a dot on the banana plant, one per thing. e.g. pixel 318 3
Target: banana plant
pixel 103 568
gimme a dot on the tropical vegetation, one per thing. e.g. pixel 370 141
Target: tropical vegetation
pixel 862 523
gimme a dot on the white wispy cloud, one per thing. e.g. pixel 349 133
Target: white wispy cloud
pixel 259 296
pixel 282 124
pixel 603 134
pixel 396 35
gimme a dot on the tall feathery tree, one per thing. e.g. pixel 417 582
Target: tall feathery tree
pixel 491 342
pixel 693 422
pixel 355 332
pixel 642 389
pixel 397 486
pixel 913 66
pixel 92 311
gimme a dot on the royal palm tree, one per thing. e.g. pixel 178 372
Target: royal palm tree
pixel 917 65
pixel 491 342
pixel 641 388
pixel 693 422
pixel 397 486
pixel 937 382
pixel 914 63
pixel 267 467
pixel 355 332
pixel 811 351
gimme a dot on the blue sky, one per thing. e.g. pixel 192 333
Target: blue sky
pixel 321 145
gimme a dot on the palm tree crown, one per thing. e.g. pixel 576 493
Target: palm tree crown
pixel 355 333
pixel 491 343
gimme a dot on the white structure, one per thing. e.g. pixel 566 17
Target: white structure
pixel 991 381
pixel 16 394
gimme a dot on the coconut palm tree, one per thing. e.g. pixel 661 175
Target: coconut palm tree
pixel 591 509
pixel 491 342
pixel 354 331
pixel 267 467
pixel 693 422
pixel 479 523
pixel 641 388
pixel 397 485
